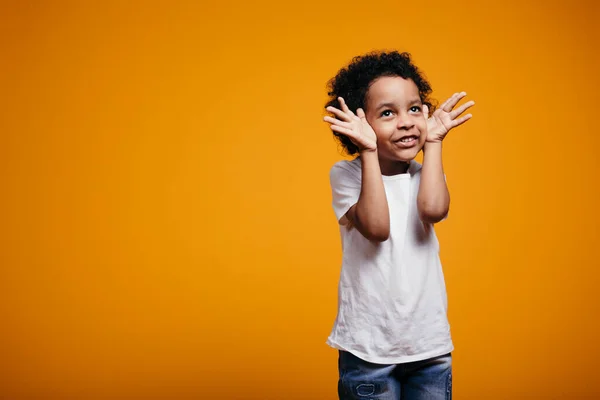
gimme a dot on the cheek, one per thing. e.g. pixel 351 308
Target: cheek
pixel 423 130
pixel 382 129
pixel 378 129
pixel 422 124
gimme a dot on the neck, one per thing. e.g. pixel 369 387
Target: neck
pixel 389 168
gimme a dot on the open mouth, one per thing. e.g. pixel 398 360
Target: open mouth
pixel 407 140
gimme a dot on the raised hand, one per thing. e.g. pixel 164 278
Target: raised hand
pixel 445 118
pixel 354 126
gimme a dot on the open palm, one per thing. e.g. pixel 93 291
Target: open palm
pixel 445 118
pixel 354 126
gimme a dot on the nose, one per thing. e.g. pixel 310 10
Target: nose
pixel 405 121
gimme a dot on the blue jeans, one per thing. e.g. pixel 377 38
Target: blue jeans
pixel 429 379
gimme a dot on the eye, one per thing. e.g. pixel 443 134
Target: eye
pixel 386 113
pixel 415 109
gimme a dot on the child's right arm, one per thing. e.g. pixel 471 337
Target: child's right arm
pixel 370 215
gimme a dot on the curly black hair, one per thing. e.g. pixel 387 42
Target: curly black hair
pixel 353 81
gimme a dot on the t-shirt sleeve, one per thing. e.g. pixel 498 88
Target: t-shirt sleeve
pixel 345 188
pixel 417 167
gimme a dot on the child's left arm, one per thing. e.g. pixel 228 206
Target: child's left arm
pixel 433 199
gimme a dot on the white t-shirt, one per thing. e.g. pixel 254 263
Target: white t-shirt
pixel 392 303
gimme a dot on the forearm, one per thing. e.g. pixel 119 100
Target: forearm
pixel 433 199
pixel 371 214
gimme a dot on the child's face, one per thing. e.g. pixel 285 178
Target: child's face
pixel 395 112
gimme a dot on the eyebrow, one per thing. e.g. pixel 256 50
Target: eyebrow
pixel 391 105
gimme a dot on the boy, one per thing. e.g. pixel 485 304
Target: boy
pixel 391 329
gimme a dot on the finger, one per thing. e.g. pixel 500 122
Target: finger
pixel 454 100
pixel 344 131
pixel 426 111
pixel 461 120
pixel 360 113
pixel 344 106
pixel 445 103
pixel 461 109
pixel 337 122
pixel 338 113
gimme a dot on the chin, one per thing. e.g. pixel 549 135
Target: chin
pixel 407 155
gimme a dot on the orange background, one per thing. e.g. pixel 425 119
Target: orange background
pixel 167 229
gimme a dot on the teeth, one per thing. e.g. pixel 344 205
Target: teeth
pixel 407 139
